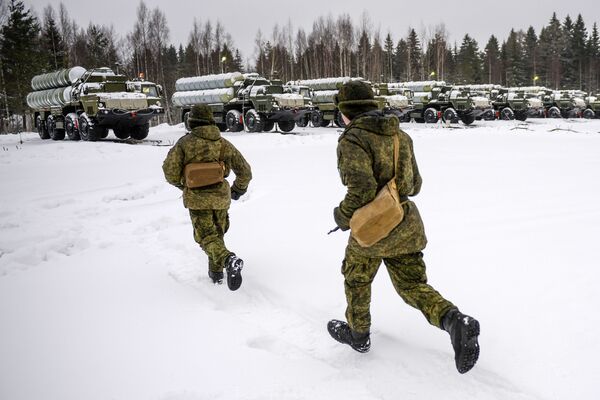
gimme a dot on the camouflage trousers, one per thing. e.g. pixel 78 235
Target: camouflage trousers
pixel 210 227
pixel 410 281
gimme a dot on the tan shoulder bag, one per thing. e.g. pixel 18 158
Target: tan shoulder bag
pixel 376 219
pixel 198 175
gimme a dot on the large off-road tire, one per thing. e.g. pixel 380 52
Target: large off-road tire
pixel 589 114
pixel 488 115
pixel 554 112
pixel 286 126
pixel 72 127
pixel 430 115
pixel 233 121
pixel 302 122
pixel 53 131
pixel 316 118
pixel 185 121
pixel 339 120
pixel 222 127
pixel 87 130
pixel 254 122
pixel 450 115
pixel 140 132
pixel 521 115
pixel 507 114
pixel 102 131
pixel 41 127
pixel 121 133
pixel 467 119
pixel 268 125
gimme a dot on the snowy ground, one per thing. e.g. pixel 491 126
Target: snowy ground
pixel 104 293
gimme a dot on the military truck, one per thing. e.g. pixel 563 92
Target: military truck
pixel 305 92
pixel 395 100
pixel 565 104
pixel 323 92
pixel 241 101
pixel 592 109
pixel 85 104
pixel 435 100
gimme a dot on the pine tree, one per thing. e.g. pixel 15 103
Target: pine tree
pixel 578 46
pixel 469 70
pixel 389 58
pixel 593 54
pixel 20 57
pixel 492 71
pixel 53 46
pixel 530 55
pixel 413 56
pixel 400 65
pixel 550 47
pixel 567 56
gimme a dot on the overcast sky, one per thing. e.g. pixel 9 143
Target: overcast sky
pixel 243 18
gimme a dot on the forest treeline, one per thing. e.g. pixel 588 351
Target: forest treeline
pixel 563 54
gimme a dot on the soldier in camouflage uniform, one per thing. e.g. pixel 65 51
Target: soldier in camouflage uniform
pixel 208 205
pixel 366 163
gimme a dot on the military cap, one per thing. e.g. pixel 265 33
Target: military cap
pixel 354 98
pixel 200 114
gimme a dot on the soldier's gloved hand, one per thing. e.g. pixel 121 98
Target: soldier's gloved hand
pixel 236 192
pixel 340 219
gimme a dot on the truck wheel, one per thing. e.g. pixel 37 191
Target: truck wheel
pixel 316 118
pixel 87 130
pixel 268 125
pixel 303 120
pixel 339 121
pixel 507 114
pixel 121 133
pixel 71 127
pixel 286 126
pixel 140 132
pixel 589 114
pixel 41 127
pixel 102 131
pixel 185 121
pixel 253 121
pixel 467 119
pixel 430 115
pixel 521 115
pixel 233 121
pixel 55 134
pixel 488 115
pixel 450 115
pixel 554 112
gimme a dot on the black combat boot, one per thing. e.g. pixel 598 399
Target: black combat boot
pixel 217 277
pixel 340 331
pixel 463 331
pixel 233 266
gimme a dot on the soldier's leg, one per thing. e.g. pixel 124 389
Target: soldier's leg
pixel 410 280
pixel 208 233
pixel 359 272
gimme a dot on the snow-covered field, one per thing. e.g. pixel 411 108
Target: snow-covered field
pixel 104 293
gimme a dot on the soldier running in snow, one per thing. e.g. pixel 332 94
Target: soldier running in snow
pixel 208 205
pixel 366 163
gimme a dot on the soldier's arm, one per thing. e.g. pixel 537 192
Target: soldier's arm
pixel 417 180
pixel 173 166
pixel 356 171
pixel 241 168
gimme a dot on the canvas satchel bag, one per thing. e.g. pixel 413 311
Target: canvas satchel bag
pixel 198 175
pixel 376 219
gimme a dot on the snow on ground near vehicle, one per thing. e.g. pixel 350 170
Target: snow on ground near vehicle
pixel 104 293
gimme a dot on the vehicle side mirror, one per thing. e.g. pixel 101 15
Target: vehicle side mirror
pixel 159 88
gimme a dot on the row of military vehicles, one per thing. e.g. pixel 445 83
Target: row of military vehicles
pixel 85 104
pixel 253 103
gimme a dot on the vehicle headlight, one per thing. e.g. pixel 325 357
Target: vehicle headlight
pixel 101 105
pixel 158 103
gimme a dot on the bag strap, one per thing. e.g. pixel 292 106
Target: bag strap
pixel 396 154
pixel 222 153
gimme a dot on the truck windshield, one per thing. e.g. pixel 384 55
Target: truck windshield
pixel 150 91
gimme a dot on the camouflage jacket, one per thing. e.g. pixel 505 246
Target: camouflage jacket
pixel 203 144
pixel 365 162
